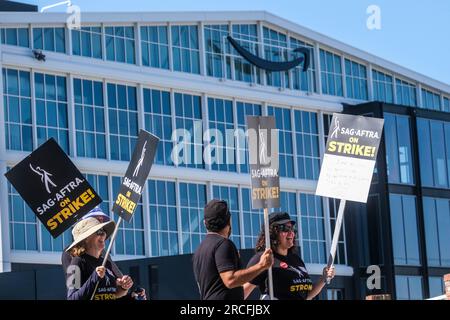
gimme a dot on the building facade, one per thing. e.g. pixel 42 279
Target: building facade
pixel 122 72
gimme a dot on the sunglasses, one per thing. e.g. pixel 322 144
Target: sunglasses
pixel 100 232
pixel 286 228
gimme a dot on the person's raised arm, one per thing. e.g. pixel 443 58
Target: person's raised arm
pixel 237 278
pixel 318 286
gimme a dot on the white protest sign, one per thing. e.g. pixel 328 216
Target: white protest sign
pixel 349 158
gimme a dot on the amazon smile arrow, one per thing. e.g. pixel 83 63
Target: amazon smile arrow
pixel 272 65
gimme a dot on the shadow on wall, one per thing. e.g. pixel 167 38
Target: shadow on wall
pixel 164 278
pixel 39 284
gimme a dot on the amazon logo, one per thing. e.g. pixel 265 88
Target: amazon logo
pixel 272 65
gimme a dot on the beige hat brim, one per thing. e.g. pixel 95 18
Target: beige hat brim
pixel 109 229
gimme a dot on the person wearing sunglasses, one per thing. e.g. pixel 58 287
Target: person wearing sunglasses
pixel 66 257
pixel 291 280
pixel 86 270
pixel 216 262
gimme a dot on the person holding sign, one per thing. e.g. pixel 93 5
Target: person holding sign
pixel 66 257
pixel 291 280
pixel 86 269
pixel 216 262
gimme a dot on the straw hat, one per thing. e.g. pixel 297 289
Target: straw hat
pixel 87 227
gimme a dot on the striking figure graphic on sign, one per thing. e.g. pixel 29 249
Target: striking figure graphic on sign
pixel 45 177
pixel 262 147
pixel 141 160
pixel 336 128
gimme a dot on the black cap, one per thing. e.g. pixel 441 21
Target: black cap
pixel 217 211
pixel 280 218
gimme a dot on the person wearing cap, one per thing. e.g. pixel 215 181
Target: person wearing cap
pixel 85 270
pixel 291 280
pixel 216 262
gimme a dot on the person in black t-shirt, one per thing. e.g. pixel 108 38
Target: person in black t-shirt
pixel 85 268
pixel 291 280
pixel 216 262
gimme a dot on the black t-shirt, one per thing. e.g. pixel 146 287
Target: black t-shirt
pixel 86 263
pixel 291 280
pixel 216 254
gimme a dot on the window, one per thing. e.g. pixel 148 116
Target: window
pixel 247 37
pixel 275 49
pixel 185 49
pixel 434 154
pixel 221 58
pixel 155 47
pixel 87 42
pixel 15 37
pixel 123 120
pixel 216 49
pixel 100 184
pixel 55 244
pixel 307 140
pixel 430 100
pixel 130 236
pixel 341 251
pixel 356 80
pixel 286 153
pixel 382 87
pixel 408 287
pixel 398 149
pixel 163 218
pixel 243 110
pixel 230 195
pixel 305 81
pixel 120 44
pixel 89 118
pixel 50 39
pixel 51 109
pixel 404 229
pixel 158 120
pixel 22 223
pixel 188 116
pixel 253 220
pixel 192 203
pixel 436 213
pixel 331 73
pixel 288 203
pixel 406 93
pixel 436 286
pixel 17 109
pixel 446 106
pixel 221 140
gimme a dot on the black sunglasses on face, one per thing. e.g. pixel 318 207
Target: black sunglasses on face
pixel 286 228
pixel 100 232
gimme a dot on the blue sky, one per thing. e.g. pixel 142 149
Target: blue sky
pixel 414 34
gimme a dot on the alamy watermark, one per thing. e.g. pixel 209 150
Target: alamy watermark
pixel 374 280
pixel 214 146
pixel 374 20
pixel 73 21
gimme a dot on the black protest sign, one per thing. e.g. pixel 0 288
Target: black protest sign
pixel 350 156
pixel 136 175
pixel 53 187
pixel 264 164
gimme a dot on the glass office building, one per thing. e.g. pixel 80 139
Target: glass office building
pixel 121 72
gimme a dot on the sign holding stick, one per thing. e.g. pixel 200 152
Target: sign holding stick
pixel 133 183
pixel 53 187
pixel 264 166
pixel 348 163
